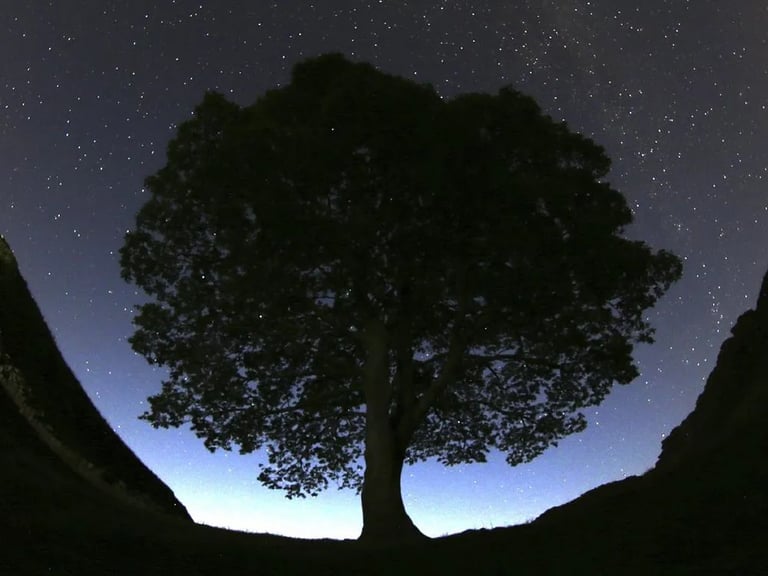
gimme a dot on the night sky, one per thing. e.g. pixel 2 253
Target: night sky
pixel 676 90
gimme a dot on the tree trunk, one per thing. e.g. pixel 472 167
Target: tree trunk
pixel 384 516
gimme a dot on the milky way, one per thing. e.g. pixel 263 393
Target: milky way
pixel 91 92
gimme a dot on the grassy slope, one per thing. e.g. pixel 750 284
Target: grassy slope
pixel 55 397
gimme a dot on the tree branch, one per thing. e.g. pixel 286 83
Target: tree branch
pixel 448 374
pixel 486 358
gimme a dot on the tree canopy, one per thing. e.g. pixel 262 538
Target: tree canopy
pixel 353 273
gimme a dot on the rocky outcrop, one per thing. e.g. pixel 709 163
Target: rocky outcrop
pixel 728 430
pixel 39 387
pixel 705 503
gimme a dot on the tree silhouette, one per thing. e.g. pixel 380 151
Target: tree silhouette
pixel 353 273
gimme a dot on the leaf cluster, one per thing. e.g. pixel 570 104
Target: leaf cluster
pixel 477 231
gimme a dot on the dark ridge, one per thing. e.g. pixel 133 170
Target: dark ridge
pixel 35 377
pixel 706 500
pixel 729 426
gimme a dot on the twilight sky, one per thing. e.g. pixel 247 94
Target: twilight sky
pixel 676 90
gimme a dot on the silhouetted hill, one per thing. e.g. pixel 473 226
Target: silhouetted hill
pixel 42 401
pixel 729 427
pixel 706 500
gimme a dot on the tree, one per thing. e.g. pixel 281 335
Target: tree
pixel 353 273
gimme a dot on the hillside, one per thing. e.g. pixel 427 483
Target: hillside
pixel 706 500
pixel 38 385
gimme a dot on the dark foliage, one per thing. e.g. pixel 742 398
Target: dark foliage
pixel 354 253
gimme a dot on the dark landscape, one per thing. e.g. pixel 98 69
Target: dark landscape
pixel 75 500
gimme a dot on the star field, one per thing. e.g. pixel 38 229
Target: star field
pixel 676 91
